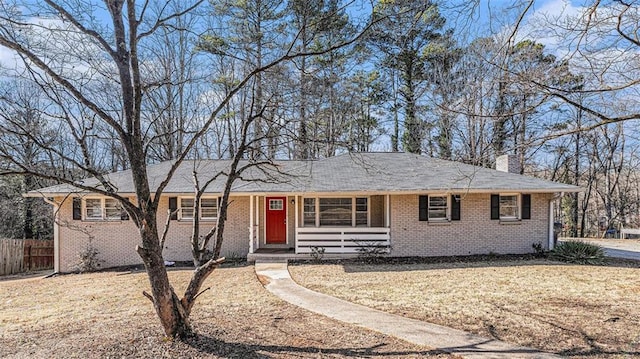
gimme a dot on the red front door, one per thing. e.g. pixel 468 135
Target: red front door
pixel 276 220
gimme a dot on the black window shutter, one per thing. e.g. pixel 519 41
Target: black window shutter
pixel 173 207
pixel 455 208
pixel 526 206
pixel 495 206
pixel 423 208
pixel 77 208
pixel 123 212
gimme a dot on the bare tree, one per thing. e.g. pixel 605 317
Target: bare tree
pixel 98 64
pixel 22 126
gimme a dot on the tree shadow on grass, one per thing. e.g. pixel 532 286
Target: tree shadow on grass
pixel 210 345
pixel 592 349
pixel 533 353
pixel 600 353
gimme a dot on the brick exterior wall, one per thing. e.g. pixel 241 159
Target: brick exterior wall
pixel 116 240
pixel 475 233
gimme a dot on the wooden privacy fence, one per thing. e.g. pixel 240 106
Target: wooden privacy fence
pixel 20 255
pixel 38 254
pixel 12 256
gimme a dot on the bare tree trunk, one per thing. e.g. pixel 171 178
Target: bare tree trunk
pixel 576 179
pixel 499 127
pixel 28 209
pixel 395 134
pixel 169 309
pixel 167 305
pixel 303 136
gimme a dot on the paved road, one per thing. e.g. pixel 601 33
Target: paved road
pixel 618 248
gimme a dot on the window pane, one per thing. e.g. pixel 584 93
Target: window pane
pixel 208 208
pixel 437 201
pixel 186 207
pixel 275 205
pixel 361 212
pixel 112 208
pixel 335 211
pixel 93 208
pixel 437 207
pixel 435 213
pixel 361 219
pixel 309 212
pixel 361 204
pixel 509 206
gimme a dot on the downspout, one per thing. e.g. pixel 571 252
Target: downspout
pixel 551 222
pixel 551 234
pixel 251 227
pixel 56 235
pixel 296 200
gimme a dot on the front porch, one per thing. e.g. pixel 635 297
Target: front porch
pixel 296 226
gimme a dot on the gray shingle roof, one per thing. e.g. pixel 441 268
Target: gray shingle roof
pixel 356 172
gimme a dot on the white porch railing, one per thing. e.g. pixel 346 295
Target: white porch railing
pixel 341 240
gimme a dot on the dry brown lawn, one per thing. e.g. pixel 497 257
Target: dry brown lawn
pixel 105 315
pixel 577 311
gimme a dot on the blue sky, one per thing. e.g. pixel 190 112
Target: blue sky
pixel 492 16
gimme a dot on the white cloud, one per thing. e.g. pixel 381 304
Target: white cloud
pixel 9 59
pixel 540 23
pixel 557 8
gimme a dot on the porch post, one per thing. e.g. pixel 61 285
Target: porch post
pixel 257 224
pixel 251 249
pixel 295 230
pixel 387 211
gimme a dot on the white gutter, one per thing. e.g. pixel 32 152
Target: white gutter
pixel 551 224
pixel 551 234
pixel 342 192
pixel 251 228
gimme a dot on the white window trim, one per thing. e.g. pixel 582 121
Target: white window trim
pixel 179 208
pixel 518 207
pixel 315 212
pixel 355 206
pixel 103 210
pixel 353 211
pixel 448 215
pixel 216 201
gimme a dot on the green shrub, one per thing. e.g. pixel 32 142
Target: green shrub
pixel 578 252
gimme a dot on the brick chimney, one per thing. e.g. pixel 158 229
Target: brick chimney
pixel 508 163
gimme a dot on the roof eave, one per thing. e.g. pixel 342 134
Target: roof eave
pixel 302 193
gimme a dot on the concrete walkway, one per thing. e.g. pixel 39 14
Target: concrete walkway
pixel 276 278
